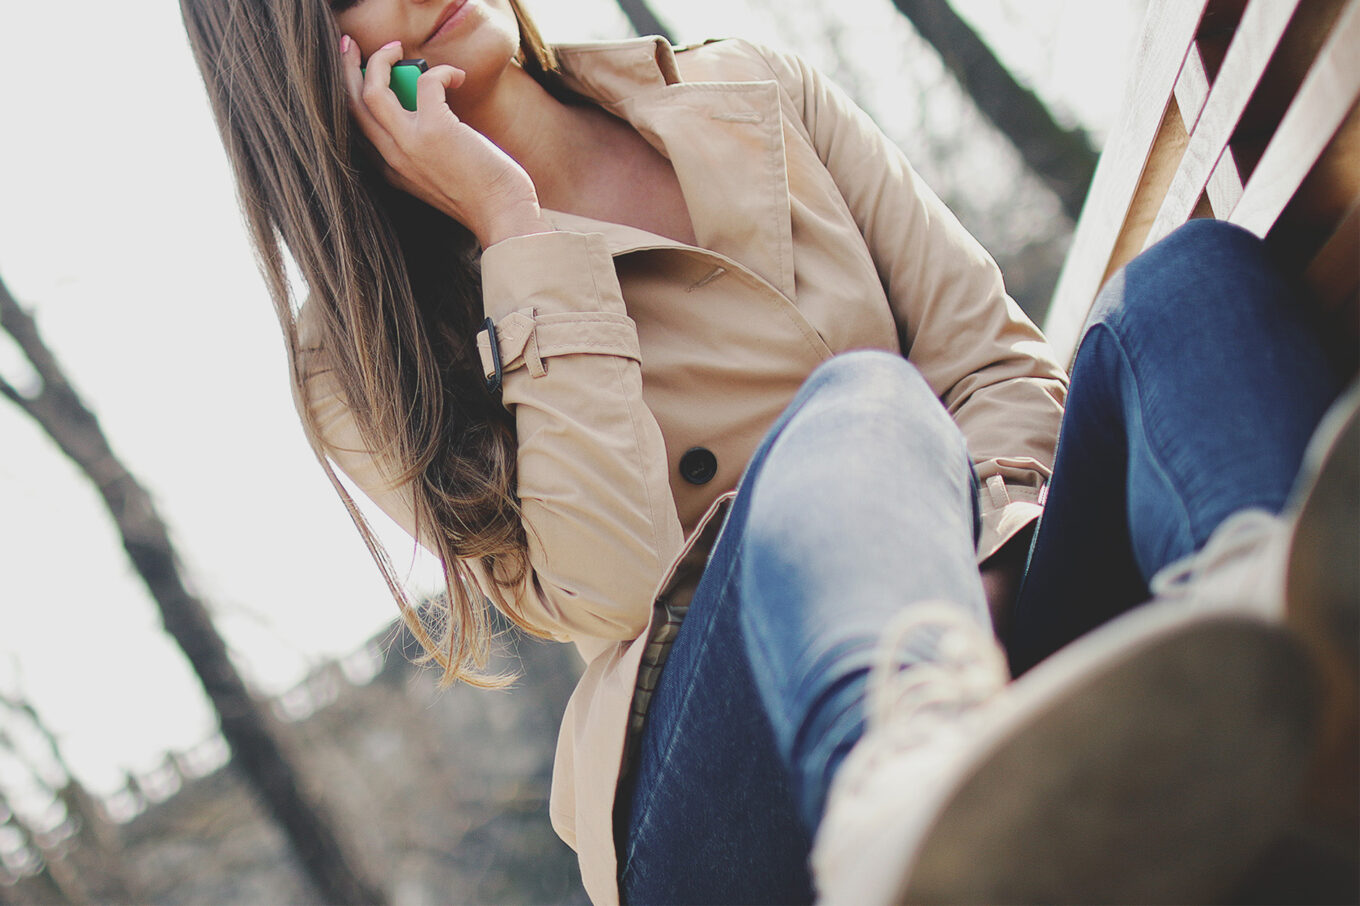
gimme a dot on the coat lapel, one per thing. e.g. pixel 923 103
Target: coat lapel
pixel 725 140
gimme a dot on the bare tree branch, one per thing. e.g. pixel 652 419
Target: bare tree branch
pixel 1063 158
pixel 8 391
pixel 643 20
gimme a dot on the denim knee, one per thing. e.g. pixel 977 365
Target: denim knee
pixel 1207 236
pixel 871 384
pixel 856 367
pixel 870 377
pixel 1202 272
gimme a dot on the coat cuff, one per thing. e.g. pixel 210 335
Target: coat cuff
pixel 550 273
pixel 1006 510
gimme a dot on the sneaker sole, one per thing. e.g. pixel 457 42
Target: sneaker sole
pixel 1323 575
pixel 1149 762
pixel 1322 594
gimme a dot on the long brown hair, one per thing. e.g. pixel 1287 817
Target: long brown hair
pixel 395 294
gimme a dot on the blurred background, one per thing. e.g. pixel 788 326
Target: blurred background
pixel 176 572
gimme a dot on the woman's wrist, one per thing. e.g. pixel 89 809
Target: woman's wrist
pixel 521 222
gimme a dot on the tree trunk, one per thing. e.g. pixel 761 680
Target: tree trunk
pixel 643 20
pixel 248 727
pixel 1063 158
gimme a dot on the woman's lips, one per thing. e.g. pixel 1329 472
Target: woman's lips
pixel 447 19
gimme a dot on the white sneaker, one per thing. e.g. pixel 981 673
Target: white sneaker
pixel 1301 567
pixel 1323 571
pixel 1241 567
pixel 1150 761
pixel 921 722
pixel 1322 595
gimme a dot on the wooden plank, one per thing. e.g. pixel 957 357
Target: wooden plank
pixel 1158 173
pixel 1308 31
pixel 1225 184
pixel 1321 105
pixel 1192 90
pixel 1167 33
pixel 1322 200
pixel 1258 34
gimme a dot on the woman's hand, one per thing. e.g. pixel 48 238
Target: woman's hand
pixel 432 154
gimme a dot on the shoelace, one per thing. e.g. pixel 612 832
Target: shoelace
pixel 967 669
pixel 1241 533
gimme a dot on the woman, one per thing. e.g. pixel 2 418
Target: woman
pixel 559 310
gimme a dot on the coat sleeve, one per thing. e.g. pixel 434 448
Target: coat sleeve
pixel 592 469
pixel 983 357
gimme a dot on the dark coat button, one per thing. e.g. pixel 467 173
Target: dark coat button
pixel 698 465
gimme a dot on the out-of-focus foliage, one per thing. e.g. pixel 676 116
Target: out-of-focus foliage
pixel 444 793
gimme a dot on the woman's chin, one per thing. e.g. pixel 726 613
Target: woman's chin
pixel 480 36
pixel 485 71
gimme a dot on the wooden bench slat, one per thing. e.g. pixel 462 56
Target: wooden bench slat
pixel 1225 184
pixel 1192 90
pixel 1322 104
pixel 1160 169
pixel 1258 35
pixel 1247 110
pixel 1168 32
pixel 1322 200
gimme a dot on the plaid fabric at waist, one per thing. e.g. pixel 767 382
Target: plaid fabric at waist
pixel 665 627
pixel 669 612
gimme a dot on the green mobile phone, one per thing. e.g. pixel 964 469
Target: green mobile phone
pixel 403 82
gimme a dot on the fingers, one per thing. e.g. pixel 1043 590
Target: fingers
pixel 350 64
pixel 433 86
pixel 358 80
pixel 414 149
pixel 376 93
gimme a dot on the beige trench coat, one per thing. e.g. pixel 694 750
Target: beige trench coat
pixel 622 350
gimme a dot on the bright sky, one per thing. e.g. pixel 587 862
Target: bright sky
pixel 119 228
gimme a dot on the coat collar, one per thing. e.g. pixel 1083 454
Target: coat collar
pixel 724 138
pixel 610 71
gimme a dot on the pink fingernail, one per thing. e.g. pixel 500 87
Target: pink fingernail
pixel 390 44
pixel 345 43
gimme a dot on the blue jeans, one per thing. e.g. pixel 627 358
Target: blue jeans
pixel 1195 390
pixel 1193 396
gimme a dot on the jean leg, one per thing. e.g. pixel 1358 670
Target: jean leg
pixel 863 504
pixel 707 814
pixel 1194 393
pixel 859 502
